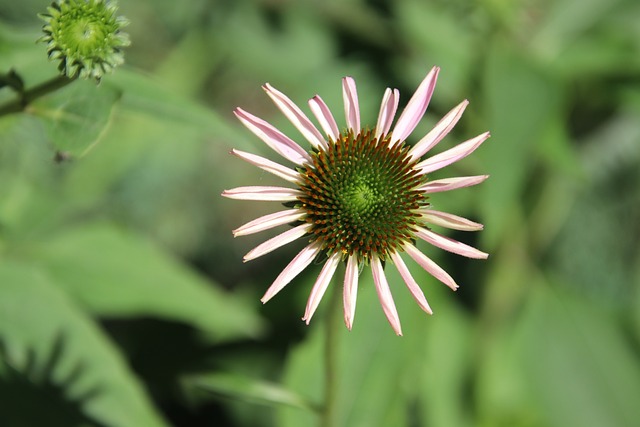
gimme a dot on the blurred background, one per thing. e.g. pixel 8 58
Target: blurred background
pixel 123 297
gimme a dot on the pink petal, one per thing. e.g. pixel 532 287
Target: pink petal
pixel 268 194
pixel 449 184
pixel 415 109
pixel 269 221
pixel 350 291
pixel 276 140
pixel 431 267
pixel 321 285
pixel 295 267
pixel 324 116
pixel 296 116
pixel 440 130
pixel 451 221
pixel 384 295
pixel 351 107
pixel 449 244
pixel 388 110
pixel 269 166
pixel 452 155
pixel 415 290
pixel 277 241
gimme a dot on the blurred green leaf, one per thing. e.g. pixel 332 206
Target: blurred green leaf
pixel 301 46
pixel 577 361
pixel 34 314
pixel 29 194
pixel 117 273
pixel 377 370
pixel 600 263
pixel 556 150
pixel 426 25
pixel 446 367
pixel 304 374
pixel 19 51
pixel 598 55
pixel 77 116
pixel 521 102
pixel 612 147
pixel 501 388
pixel 188 65
pixel 247 389
pixel 566 21
pixel 635 303
pixel 143 94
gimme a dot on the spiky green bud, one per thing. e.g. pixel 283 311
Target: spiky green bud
pixel 85 36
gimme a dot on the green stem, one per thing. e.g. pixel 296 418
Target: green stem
pixel 333 323
pixel 30 95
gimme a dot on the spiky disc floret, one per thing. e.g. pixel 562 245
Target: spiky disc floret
pixel 361 196
pixel 85 36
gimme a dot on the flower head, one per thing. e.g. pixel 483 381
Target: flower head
pixel 86 36
pixel 359 196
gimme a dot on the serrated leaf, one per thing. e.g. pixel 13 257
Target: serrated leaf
pixel 117 273
pixel 34 314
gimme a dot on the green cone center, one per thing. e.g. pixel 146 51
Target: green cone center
pixel 84 28
pixel 361 195
pixel 361 199
pixel 87 34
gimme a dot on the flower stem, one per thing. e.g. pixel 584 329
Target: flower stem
pixel 332 335
pixel 26 97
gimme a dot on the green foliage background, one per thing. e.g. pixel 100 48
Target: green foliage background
pixel 123 298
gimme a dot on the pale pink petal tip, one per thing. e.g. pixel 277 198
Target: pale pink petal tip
pixel 324 116
pixel 384 295
pixel 416 107
pixel 387 113
pixel 262 193
pixel 413 287
pixel 296 116
pixel 440 130
pixel 295 267
pixel 350 291
pixel 451 221
pixel 348 324
pixel 269 221
pixel 449 244
pixel 276 140
pixel 320 287
pixel 351 106
pixel 268 166
pixel 430 266
pixel 448 184
pixel 452 155
pixel 277 242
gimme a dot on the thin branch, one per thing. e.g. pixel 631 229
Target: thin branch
pixel 28 96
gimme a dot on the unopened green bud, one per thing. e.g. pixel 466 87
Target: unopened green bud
pixel 85 36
